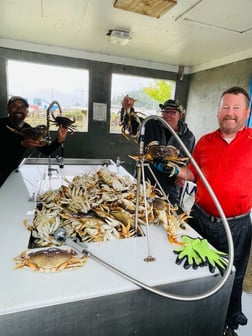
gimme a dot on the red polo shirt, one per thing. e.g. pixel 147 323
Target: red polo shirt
pixel 228 169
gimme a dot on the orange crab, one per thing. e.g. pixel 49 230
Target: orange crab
pixel 166 214
pixel 52 259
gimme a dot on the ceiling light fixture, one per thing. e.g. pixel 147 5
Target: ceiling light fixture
pixel 154 8
pixel 121 37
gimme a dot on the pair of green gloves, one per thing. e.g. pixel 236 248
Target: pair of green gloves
pixel 197 252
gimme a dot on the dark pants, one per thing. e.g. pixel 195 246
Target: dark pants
pixel 241 231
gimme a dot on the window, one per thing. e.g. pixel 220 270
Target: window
pixel 148 92
pixel 249 121
pixel 41 84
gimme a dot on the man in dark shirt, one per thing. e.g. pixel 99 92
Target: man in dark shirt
pixel 14 144
pixel 172 113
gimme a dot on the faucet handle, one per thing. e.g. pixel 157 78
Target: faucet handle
pixel 118 161
pixel 59 159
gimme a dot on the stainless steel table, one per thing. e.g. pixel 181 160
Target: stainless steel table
pixel 93 300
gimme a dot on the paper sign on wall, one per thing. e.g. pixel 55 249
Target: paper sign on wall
pixel 99 111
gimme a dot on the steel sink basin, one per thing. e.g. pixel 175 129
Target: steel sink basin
pixel 68 161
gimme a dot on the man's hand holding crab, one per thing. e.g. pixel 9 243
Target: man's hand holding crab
pixel 167 167
pixel 165 159
pixel 31 143
pixel 62 133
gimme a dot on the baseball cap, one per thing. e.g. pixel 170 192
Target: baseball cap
pixel 172 104
pixel 14 98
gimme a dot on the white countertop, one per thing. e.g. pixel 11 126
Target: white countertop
pixel 24 289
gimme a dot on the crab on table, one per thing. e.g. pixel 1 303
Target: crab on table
pixel 39 133
pixel 169 155
pixel 166 214
pixel 64 121
pixel 52 259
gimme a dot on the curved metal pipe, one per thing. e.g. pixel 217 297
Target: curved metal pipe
pixel 54 102
pixel 50 169
pixel 218 286
pixel 60 236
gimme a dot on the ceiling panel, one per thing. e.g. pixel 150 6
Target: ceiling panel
pixel 193 33
pixel 225 14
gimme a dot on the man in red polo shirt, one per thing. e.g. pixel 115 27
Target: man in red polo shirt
pixel 225 158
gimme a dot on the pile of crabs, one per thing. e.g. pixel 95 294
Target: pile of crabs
pixel 97 207
pixel 93 207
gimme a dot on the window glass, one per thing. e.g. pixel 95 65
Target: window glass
pixel 249 121
pixel 148 93
pixel 42 84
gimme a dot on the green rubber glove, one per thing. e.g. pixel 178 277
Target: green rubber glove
pixel 210 256
pixel 187 253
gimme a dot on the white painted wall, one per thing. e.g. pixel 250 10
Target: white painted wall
pixel 205 90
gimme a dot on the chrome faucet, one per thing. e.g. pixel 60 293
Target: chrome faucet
pixel 59 158
pixel 118 161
